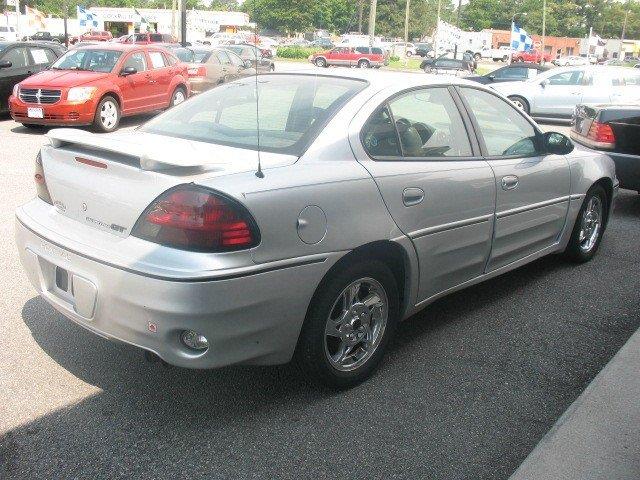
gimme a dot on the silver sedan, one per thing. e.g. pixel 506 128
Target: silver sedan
pixel 306 228
pixel 554 94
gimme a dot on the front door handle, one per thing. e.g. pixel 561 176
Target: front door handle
pixel 509 182
pixel 412 196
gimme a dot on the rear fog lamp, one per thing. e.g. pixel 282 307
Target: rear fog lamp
pixel 194 340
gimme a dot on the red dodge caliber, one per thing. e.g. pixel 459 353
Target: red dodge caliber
pixel 98 84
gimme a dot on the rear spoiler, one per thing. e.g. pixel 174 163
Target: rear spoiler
pixel 149 160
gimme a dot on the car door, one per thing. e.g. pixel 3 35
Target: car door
pixel 161 78
pixel 136 89
pixel 18 67
pixel 532 188
pixel 439 191
pixel 236 66
pixel 225 63
pixel 558 95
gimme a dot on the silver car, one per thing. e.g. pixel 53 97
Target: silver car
pixel 554 94
pixel 215 235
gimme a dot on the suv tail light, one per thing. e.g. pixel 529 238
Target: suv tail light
pixel 196 218
pixel 41 184
pixel 601 133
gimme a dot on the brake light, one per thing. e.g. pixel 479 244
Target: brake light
pixel 195 218
pixel 601 133
pixel 41 184
pixel 200 71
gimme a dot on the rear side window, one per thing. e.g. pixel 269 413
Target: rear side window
pixel 504 130
pixel 157 60
pixel 155 37
pixel 223 58
pixel 429 124
pixel 42 56
pixel 362 50
pixel 379 135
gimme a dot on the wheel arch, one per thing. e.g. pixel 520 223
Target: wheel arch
pixel 393 254
pixel 115 95
pixel 607 184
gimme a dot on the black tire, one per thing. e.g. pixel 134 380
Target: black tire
pixel 409 53
pixel 310 353
pixel 364 64
pixel 99 123
pixel 575 251
pixel 477 57
pixel 521 103
pixel 320 62
pixel 505 58
pixel 178 96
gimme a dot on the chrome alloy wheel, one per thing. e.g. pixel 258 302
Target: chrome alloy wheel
pixel 178 97
pixel 356 324
pixel 591 224
pixel 109 115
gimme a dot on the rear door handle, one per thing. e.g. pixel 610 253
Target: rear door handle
pixel 509 182
pixel 412 196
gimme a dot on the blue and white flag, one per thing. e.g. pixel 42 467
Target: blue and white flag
pixel 520 40
pixel 87 19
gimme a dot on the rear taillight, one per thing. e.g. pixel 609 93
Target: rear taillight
pixel 41 183
pixel 200 71
pixel 601 133
pixel 195 218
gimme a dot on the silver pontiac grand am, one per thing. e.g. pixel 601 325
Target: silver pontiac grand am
pixel 301 217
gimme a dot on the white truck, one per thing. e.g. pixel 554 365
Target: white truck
pixel 497 54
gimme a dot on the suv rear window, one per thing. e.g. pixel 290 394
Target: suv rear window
pixel 292 110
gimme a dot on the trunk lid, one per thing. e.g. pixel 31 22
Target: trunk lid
pixel 106 181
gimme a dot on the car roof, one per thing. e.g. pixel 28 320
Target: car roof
pixel 121 47
pixel 381 79
pixel 33 43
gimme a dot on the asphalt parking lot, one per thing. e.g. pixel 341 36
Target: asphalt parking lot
pixel 468 389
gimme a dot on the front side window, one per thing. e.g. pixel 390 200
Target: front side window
pixel 504 130
pixel 429 124
pixel 572 77
pixel 90 60
pixel 17 56
pixel 290 111
pixel 137 61
pixel 514 73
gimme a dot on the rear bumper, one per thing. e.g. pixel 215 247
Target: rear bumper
pixel 60 113
pixel 627 166
pixel 252 318
pixel 199 85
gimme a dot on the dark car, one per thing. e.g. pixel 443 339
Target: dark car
pixel 322 42
pixel 423 49
pixel 258 59
pixel 18 60
pixel 511 73
pixel 45 37
pixel 448 65
pixel 613 129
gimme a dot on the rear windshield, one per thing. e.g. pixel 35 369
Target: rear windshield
pixel 292 111
pixel 184 54
pixel 201 56
pixel 88 59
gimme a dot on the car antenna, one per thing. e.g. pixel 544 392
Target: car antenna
pixel 259 172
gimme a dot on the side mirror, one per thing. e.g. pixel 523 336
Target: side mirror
pixel 5 64
pixel 544 83
pixel 248 64
pixel 126 71
pixel 492 77
pixel 557 143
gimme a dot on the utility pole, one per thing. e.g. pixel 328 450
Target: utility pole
pixel 174 6
pixel 372 22
pixel 455 48
pixel 18 19
pixel 544 24
pixel 360 10
pixel 183 22
pixel 624 30
pixel 65 5
pixel 406 28
pixel 435 35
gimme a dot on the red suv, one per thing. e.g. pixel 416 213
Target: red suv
pixel 533 56
pixel 98 84
pixel 362 57
pixel 92 36
pixel 147 38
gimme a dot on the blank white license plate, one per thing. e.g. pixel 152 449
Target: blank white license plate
pixel 35 112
